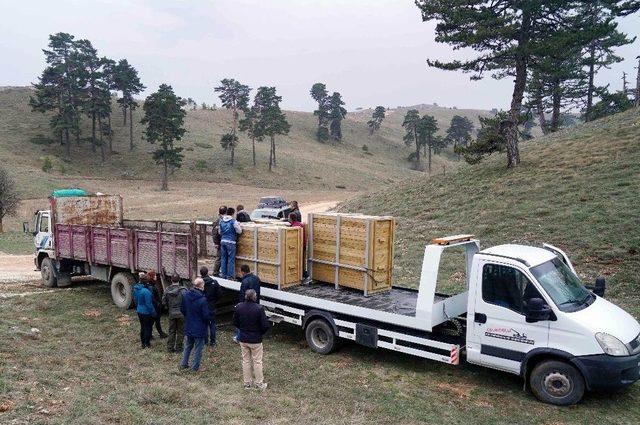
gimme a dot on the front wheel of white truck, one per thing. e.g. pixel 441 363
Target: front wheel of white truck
pixel 48 273
pixel 122 289
pixel 557 382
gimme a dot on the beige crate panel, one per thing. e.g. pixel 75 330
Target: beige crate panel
pixel 365 242
pixel 284 269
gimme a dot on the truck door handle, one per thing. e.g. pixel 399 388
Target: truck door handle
pixel 480 318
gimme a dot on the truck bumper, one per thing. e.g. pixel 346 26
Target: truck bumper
pixel 605 372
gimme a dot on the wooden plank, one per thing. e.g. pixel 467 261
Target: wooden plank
pixel 451 239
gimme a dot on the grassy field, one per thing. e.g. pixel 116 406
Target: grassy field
pixel 16 243
pixel 84 366
pixel 303 163
pixel 578 189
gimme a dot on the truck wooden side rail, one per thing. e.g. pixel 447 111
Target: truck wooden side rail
pixel 125 248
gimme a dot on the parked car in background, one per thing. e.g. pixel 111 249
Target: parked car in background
pixel 270 213
pixel 272 202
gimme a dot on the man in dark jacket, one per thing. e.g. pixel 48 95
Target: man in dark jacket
pixel 211 293
pixel 157 301
pixel 249 281
pixel 172 301
pixel 222 211
pixel 197 316
pixel 252 323
pixel 241 215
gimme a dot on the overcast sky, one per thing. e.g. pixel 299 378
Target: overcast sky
pixel 372 51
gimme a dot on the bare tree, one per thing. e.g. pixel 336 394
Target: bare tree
pixel 8 196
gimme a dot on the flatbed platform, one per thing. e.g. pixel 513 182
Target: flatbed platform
pixel 397 300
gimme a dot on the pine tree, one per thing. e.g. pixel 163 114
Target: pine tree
pixel 376 119
pixel 58 88
pixel 336 115
pixel 127 81
pixel 270 120
pixel 459 131
pixel 426 130
pixel 164 118
pixel 319 94
pixel 249 125
pixel 508 34
pixel 235 97
pixel 410 124
pixel 600 18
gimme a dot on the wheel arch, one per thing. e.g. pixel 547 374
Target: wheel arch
pixel 538 355
pixel 41 256
pixel 320 314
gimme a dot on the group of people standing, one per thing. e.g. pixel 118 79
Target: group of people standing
pixel 192 323
pixel 192 311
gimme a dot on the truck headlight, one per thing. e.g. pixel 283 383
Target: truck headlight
pixel 611 345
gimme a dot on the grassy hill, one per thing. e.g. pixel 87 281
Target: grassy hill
pixel 25 142
pixel 578 189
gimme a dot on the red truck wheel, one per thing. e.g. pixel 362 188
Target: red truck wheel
pixel 122 289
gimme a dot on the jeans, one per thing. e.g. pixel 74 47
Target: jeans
pixel 211 338
pixel 252 363
pixel 176 335
pixel 228 260
pixel 146 326
pixel 195 344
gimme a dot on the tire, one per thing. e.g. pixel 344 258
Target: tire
pixel 320 336
pixel 122 290
pixel 48 274
pixel 557 382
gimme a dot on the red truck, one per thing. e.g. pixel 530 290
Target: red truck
pixel 87 235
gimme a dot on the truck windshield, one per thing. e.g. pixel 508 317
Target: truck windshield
pixel 562 285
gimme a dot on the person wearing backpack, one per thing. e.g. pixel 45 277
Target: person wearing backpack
pixel 172 301
pixel 229 230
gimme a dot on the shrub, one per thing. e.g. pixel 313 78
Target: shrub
pixel 46 164
pixel 201 165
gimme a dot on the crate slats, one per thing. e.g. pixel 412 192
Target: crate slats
pixel 273 252
pixel 352 250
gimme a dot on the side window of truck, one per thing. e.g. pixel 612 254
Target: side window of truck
pixel 506 287
pixel 44 224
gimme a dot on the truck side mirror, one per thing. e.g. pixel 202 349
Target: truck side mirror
pixel 600 286
pixel 25 227
pixel 537 310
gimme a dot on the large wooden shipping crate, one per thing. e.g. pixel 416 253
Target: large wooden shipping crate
pixel 352 250
pixel 274 253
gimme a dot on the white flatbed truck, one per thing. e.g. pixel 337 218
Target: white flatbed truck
pixel 524 311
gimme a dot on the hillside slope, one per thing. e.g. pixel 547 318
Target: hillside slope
pixel 302 161
pixel 578 189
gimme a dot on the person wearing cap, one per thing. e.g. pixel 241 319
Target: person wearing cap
pixel 172 301
pixel 252 323
pixel 145 309
pixel 196 317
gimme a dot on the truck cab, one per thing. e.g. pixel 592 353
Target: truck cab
pixel 42 236
pixel 529 314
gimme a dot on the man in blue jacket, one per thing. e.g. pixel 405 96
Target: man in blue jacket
pixel 249 281
pixel 197 316
pixel 145 309
pixel 229 230
pixel 250 319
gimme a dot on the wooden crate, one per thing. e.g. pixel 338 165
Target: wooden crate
pixel 352 250
pixel 274 253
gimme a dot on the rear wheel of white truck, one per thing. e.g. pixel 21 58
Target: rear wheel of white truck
pixel 48 273
pixel 320 336
pixel 122 289
pixel 557 382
